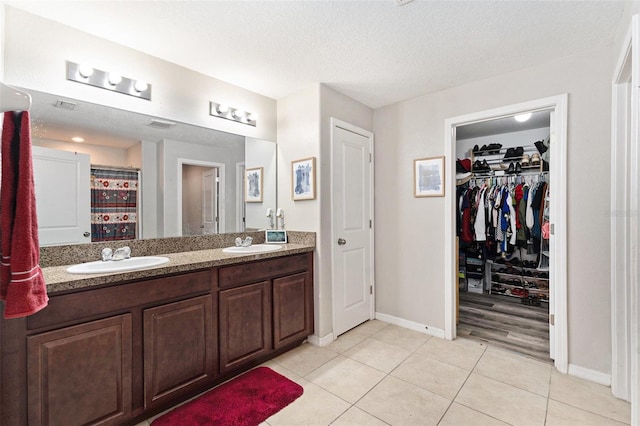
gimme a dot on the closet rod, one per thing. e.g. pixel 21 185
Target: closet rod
pixel 13 99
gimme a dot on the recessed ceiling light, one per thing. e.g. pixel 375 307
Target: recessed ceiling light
pixel 522 117
pixel 77 139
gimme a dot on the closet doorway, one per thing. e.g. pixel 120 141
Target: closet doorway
pixel 511 264
pixel 502 223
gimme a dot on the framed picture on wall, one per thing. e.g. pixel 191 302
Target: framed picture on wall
pixel 253 185
pixel 303 179
pixel 428 177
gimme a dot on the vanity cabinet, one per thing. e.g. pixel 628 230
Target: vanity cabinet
pixel 264 306
pixel 179 346
pixel 120 353
pixel 81 374
pixel 245 324
pixel 292 314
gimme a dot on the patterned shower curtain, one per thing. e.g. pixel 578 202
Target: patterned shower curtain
pixel 114 210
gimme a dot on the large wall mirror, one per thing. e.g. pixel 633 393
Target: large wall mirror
pixel 188 180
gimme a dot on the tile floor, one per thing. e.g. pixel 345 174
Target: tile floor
pixel 381 374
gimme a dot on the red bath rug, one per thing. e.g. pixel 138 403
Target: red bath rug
pixel 247 400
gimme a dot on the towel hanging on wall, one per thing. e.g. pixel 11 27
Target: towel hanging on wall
pixel 22 285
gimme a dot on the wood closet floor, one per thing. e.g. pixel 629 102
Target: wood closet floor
pixel 505 322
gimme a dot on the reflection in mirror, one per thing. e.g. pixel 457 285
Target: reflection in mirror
pixel 190 177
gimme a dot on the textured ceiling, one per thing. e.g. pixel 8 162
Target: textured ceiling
pixel 373 51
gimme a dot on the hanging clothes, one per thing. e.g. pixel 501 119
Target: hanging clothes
pixel 480 226
pixel 22 285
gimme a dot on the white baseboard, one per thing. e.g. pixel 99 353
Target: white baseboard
pixel 591 375
pixel 320 341
pixel 400 322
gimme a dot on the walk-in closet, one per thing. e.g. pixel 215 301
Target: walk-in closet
pixel 503 230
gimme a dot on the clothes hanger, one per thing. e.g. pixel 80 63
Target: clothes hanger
pixel 13 99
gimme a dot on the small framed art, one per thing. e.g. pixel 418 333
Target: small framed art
pixel 303 179
pixel 428 177
pixel 253 185
pixel 275 236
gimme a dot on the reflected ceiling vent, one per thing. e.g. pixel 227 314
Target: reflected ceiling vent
pixel 65 105
pixel 160 124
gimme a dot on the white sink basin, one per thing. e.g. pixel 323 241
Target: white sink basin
pixel 256 248
pixel 131 264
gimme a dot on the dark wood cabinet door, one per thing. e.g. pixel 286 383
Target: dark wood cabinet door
pixel 81 375
pixel 292 309
pixel 245 324
pixel 180 352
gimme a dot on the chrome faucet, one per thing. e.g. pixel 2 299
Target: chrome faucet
pixel 107 254
pixel 119 254
pixel 243 243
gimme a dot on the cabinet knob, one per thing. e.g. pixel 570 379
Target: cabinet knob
pixel 342 241
pixel 86 234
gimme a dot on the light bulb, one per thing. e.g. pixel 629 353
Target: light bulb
pixel 521 118
pixel 222 109
pixel 78 139
pixel 140 86
pixel 252 116
pixel 85 70
pixel 114 79
pixel 239 114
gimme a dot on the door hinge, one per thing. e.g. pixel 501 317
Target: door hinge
pixel 552 229
pixel 370 223
pixel 370 289
pixel 552 319
pixel 370 158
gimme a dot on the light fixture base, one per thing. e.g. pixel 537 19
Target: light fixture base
pixel 100 79
pixel 233 114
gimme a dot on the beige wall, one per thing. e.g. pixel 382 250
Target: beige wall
pixel 36 50
pixel 409 231
pixel 336 105
pixel 299 137
pixel 308 134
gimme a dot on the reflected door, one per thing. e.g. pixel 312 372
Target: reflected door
pixel 210 201
pixel 62 190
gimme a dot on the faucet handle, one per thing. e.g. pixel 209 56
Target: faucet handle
pixel 107 254
pixel 127 252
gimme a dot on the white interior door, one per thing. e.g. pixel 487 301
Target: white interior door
pixel 64 211
pixel 210 201
pixel 351 226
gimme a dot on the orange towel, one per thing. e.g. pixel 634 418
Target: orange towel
pixel 22 285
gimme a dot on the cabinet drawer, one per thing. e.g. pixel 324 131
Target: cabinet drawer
pixel 73 306
pixel 232 276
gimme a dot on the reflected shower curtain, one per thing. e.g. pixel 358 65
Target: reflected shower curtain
pixel 114 210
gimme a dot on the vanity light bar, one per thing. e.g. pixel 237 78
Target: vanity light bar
pixel 108 80
pixel 234 114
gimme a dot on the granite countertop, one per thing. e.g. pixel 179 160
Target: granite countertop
pixel 59 280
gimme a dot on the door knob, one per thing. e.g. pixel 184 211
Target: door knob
pixel 342 241
pixel 87 234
